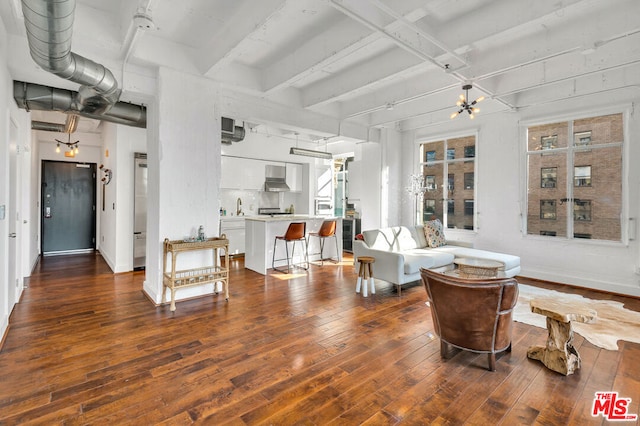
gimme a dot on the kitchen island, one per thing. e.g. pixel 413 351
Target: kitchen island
pixel 262 230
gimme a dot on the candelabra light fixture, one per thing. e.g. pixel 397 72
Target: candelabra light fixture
pixel 417 188
pixel 465 105
pixel 417 185
pixel 72 147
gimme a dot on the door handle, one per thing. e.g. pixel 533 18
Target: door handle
pixel 12 235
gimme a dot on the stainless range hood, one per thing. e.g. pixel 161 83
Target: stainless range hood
pixel 275 179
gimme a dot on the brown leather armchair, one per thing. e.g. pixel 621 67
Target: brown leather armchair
pixel 472 314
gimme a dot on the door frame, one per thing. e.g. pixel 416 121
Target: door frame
pixel 14 262
pixel 94 167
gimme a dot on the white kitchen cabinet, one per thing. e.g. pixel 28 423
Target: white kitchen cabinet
pixel 241 173
pixel 230 177
pixel 234 229
pixel 294 177
pixel 252 174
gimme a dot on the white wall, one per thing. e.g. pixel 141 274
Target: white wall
pixel 10 114
pixel 116 230
pixel 34 201
pixel 5 99
pixel 269 144
pixel 107 232
pixel 14 129
pixel 391 178
pixel 369 164
pixel 187 157
pixel 501 191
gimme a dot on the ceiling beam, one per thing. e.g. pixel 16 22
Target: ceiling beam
pixel 504 18
pixel 377 20
pixel 248 21
pixel 372 72
pixel 405 91
pixel 321 51
pixel 571 37
pixel 261 110
pixel 418 31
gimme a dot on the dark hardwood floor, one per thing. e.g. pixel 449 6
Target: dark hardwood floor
pixel 86 346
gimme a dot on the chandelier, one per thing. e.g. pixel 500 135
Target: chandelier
pixel 417 188
pixel 72 147
pixel 464 104
pixel 417 185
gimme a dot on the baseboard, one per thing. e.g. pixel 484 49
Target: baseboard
pixel 150 293
pixel 4 330
pixel 608 287
pixel 182 294
pixel 106 258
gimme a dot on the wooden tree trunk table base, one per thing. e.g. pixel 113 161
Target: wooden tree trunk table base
pixel 559 354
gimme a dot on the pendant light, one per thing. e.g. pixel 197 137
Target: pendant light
pixel 465 105
pixel 72 146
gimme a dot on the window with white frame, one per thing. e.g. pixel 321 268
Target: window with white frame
pixel 575 178
pixel 448 168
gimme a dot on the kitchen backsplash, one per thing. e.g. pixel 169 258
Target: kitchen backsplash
pixel 253 200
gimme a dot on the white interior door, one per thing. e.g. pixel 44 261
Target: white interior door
pixel 15 202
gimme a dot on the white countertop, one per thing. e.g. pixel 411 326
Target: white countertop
pixel 287 218
pixel 233 218
pixel 261 252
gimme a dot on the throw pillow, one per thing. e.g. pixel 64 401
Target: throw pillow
pixel 434 233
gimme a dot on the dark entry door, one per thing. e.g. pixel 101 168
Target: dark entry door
pixel 68 207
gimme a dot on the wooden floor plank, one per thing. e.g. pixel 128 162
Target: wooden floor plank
pixel 86 346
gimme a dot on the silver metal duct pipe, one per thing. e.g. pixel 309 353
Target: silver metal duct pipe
pixel 49 25
pixel 32 96
pixel 49 127
pixel 69 126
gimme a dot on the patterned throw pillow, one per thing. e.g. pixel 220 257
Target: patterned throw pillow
pixel 434 233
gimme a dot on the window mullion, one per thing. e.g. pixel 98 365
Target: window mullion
pixel 570 180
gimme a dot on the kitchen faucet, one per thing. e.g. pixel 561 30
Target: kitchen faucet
pixel 238 206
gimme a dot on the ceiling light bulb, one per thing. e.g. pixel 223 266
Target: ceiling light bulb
pixel 475 110
pixel 480 99
pixel 462 97
pixel 454 115
pixel 58 149
pixel 459 103
pixel 77 150
pixel 471 116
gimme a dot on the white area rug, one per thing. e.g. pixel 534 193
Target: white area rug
pixel 614 322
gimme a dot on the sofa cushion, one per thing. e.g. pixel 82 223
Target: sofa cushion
pixel 434 233
pixel 509 261
pixel 420 239
pixel 396 238
pixel 424 258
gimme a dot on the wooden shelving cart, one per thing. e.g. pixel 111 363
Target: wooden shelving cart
pixel 213 273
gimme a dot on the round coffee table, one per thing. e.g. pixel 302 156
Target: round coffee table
pixel 477 268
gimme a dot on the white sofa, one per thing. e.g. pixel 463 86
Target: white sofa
pixel 401 251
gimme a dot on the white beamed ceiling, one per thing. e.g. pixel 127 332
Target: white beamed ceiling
pixel 351 59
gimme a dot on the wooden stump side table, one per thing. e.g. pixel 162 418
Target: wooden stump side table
pixel 559 354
